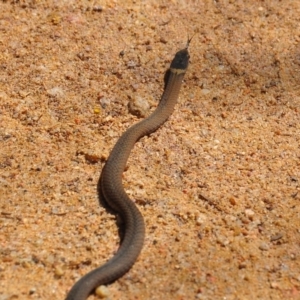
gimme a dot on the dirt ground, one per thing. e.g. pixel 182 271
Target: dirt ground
pixel 218 184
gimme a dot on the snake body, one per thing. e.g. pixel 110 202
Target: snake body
pixel 111 188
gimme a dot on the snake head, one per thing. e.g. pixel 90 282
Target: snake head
pixel 181 60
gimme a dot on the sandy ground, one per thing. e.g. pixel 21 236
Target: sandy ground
pixel 218 184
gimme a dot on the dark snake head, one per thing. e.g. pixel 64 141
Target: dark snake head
pixel 181 60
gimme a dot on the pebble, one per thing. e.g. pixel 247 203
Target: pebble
pixel 276 237
pixel 56 92
pixel 58 271
pixel 249 213
pixel 264 246
pixel 201 219
pixel 138 106
pixel 205 91
pixel 102 291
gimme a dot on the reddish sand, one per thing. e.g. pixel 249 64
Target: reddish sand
pixel 218 184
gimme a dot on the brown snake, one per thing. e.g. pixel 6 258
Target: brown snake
pixel 112 191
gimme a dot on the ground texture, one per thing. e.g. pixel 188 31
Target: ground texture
pixel 218 184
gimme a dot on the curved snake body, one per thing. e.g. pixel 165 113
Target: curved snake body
pixel 111 188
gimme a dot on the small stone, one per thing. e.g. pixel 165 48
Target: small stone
pixel 97 110
pixel 224 115
pixel 56 92
pixel 163 40
pixel 223 241
pixel 201 219
pixel 26 264
pixel 264 246
pixel 138 106
pixel 104 102
pixel 274 285
pixel 205 91
pixel 97 8
pixel 276 237
pixel 232 201
pixel 131 64
pixel 102 291
pixel 59 271
pixel 249 213
pixel 54 18
pixel 92 158
pixel 242 265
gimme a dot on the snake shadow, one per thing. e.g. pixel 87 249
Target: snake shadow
pixel 103 203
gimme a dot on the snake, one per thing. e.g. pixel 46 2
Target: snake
pixel 112 192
